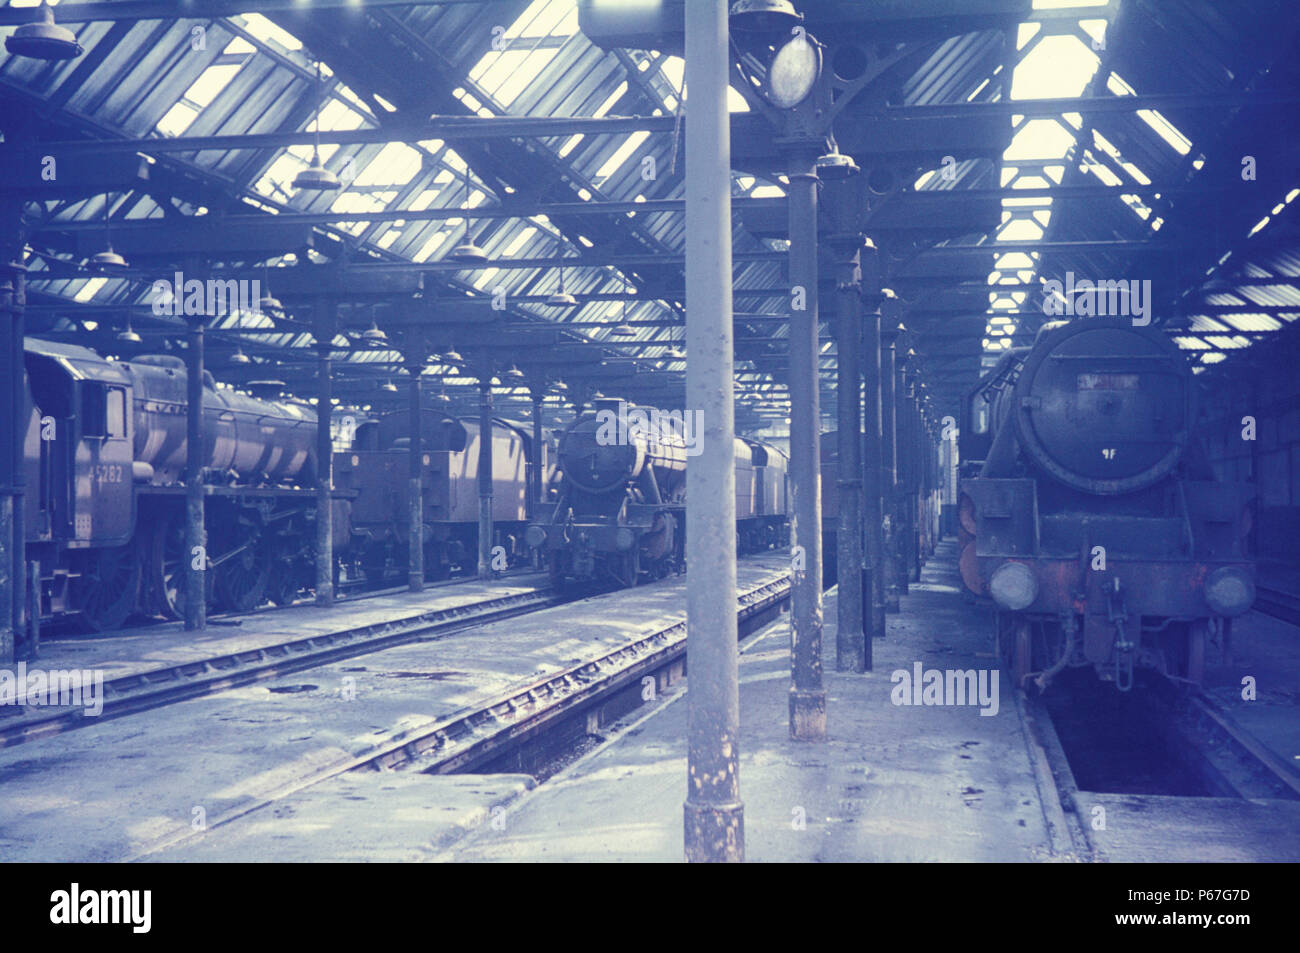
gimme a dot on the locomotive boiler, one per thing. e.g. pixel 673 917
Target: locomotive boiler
pixel 620 511
pixel 1094 522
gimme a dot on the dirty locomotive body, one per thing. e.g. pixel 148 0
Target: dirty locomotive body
pixel 619 487
pixel 105 456
pixel 1088 512
pixel 375 471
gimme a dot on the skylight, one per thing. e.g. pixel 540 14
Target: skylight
pixel 1054 66
pixel 205 89
pixel 266 31
pixel 527 47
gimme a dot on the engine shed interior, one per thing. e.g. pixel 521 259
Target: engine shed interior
pixel 305 298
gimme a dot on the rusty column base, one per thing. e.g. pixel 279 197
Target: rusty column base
pixel 715 833
pixel 807 715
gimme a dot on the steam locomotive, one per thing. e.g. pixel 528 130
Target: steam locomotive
pixel 1089 514
pixel 105 453
pixel 620 511
pixel 376 470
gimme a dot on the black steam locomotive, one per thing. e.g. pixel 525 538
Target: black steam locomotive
pixel 1092 518
pixel 105 456
pixel 620 512
pixel 105 453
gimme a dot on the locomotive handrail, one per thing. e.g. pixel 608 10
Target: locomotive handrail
pixel 1189 539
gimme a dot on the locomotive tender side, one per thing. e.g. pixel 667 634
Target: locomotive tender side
pixel 376 469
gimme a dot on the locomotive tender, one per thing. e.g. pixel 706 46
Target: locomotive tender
pixel 105 453
pixel 620 512
pixel 925 525
pixel 376 467
pixel 1094 522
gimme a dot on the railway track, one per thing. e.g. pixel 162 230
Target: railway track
pixel 348 591
pixel 518 717
pixel 1221 759
pixel 171 684
pixel 1278 604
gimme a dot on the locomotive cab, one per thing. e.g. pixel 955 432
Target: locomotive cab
pixel 81 457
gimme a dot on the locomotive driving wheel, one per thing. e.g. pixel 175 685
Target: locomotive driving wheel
pixel 241 576
pixel 374 565
pixel 284 583
pixel 436 567
pixel 169 561
pixel 106 591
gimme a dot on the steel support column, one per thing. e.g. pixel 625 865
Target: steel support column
pixel 927 485
pixel 485 475
pixel 902 447
pixel 889 455
pixel 33 647
pixel 324 334
pixel 852 648
pixel 12 292
pixel 24 641
pixel 807 694
pixel 713 815
pixel 873 512
pixel 536 465
pixel 906 443
pixel 415 475
pixel 196 532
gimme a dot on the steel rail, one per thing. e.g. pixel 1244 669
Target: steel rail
pixel 484 730
pixel 142 691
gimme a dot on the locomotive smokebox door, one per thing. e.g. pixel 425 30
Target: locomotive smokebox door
pixel 1104 407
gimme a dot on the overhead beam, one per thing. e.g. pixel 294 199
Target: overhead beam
pixel 35 173
pixel 507 210
pixel 209 236
pixel 204 9
pixel 447 128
